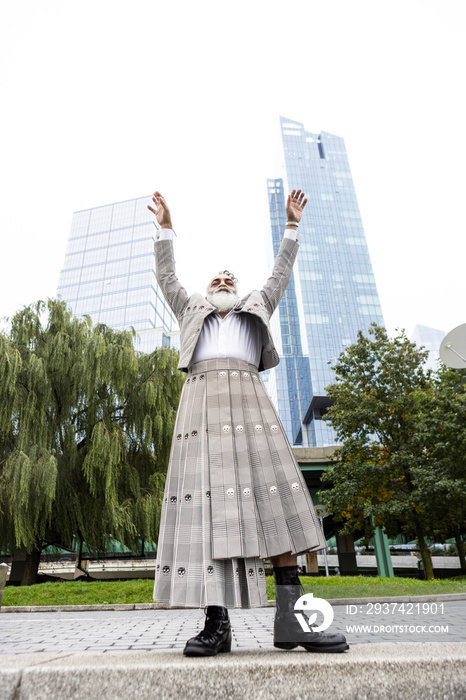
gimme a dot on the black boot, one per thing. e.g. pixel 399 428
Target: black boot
pixel 214 638
pixel 287 632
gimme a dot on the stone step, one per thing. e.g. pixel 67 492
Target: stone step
pixel 371 671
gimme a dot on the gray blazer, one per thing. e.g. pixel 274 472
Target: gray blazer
pixel 191 311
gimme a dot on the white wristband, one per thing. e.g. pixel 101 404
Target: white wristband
pixel 292 223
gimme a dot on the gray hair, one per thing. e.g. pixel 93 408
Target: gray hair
pixel 223 273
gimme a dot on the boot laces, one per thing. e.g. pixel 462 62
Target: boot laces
pixel 212 627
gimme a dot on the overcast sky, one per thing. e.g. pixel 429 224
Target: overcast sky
pixel 109 100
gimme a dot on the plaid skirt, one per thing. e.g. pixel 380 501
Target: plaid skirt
pixel 234 493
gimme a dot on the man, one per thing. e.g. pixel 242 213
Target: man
pixel 234 493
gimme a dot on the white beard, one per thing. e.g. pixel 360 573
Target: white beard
pixel 223 301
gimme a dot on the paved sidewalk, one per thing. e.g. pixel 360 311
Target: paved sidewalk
pixel 109 654
pixel 157 630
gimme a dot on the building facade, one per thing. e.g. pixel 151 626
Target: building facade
pixel 333 293
pixel 109 272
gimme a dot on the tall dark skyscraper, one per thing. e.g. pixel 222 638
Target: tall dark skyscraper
pixel 332 294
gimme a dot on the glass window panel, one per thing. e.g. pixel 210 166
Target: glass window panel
pixel 115 284
pixel 76 245
pixel 145 245
pixel 82 307
pixel 100 219
pixel 93 272
pixel 69 292
pixel 93 257
pixel 80 223
pixel 138 312
pixel 142 213
pixel 112 317
pixel 123 214
pixel 140 325
pixel 74 260
pixel 112 301
pixel 142 279
pixel 122 235
pixel 70 276
pixel 89 289
pixel 147 230
pixel 97 241
pixel 137 296
pixel 119 251
pixel 119 267
pixel 90 306
pixel 143 262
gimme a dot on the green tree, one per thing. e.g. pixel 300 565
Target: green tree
pixel 376 479
pixel 442 435
pixel 85 432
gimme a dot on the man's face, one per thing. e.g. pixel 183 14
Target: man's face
pixel 222 294
pixel 221 284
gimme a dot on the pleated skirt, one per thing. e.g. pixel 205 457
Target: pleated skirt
pixel 234 493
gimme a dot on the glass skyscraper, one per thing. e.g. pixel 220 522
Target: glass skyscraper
pixel 333 293
pixel 291 379
pixel 109 272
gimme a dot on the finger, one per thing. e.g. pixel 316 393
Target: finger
pixel 304 203
pixel 301 196
pixel 152 210
pixel 292 194
pixel 296 197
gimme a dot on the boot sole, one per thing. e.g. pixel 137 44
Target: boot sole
pixel 335 649
pixel 208 652
pixel 285 645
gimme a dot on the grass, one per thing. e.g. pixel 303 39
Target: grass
pixel 80 593
pixel 140 590
pixel 374 586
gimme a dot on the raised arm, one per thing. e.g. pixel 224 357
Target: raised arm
pixel 275 286
pixel 173 292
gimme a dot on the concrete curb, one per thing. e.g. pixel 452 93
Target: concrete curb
pixel 372 671
pixel 434 597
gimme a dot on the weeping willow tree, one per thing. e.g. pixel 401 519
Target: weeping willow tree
pixel 85 431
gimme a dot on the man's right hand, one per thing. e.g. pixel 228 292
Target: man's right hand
pixel 161 211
